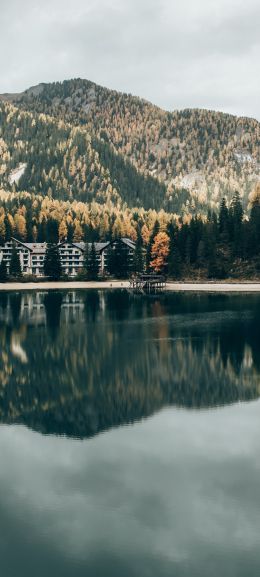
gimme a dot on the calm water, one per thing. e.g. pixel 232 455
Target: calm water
pixel 130 435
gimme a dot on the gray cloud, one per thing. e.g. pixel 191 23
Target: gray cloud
pixel 194 53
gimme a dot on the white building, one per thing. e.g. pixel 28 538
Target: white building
pixel 32 255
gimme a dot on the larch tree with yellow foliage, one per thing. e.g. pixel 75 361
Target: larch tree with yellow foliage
pixel 63 230
pixel 78 231
pixel 160 252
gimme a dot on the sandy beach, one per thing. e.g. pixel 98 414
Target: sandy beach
pixel 116 284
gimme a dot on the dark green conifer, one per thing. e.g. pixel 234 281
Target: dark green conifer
pixel 52 262
pixel 155 231
pixel 8 229
pixel 92 263
pixel 174 263
pixel 138 259
pixel 121 260
pixel 224 221
pixel 15 263
pixel 3 271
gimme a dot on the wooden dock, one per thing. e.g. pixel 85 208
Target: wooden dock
pixel 148 283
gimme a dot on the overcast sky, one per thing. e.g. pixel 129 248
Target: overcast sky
pixel 175 53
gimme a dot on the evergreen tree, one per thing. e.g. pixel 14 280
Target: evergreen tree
pixel 86 258
pixel 52 231
pixel 122 260
pixel 3 271
pixel 111 260
pixel 174 263
pixel 70 232
pixel 188 250
pixel 224 221
pixel 15 263
pixel 253 240
pixel 42 231
pixel 138 260
pixel 174 257
pixel 236 223
pixel 119 260
pixel 201 253
pixel 155 231
pixel 29 225
pixel 8 229
pixel 92 264
pixel 52 262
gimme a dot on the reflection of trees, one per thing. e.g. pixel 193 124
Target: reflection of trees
pixel 91 305
pixel 52 303
pixel 15 300
pixel 98 373
pixel 3 300
pixel 118 304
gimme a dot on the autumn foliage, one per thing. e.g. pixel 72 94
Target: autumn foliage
pixel 196 157
pixel 160 252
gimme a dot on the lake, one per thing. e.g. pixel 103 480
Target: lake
pixel 129 436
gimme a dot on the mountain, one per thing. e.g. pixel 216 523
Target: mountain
pixel 46 155
pixel 182 161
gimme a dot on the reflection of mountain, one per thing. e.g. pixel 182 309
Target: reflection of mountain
pixel 80 363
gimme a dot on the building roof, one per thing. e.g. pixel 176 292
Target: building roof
pixel 129 242
pixel 40 247
pixel 80 245
pixel 36 247
pixel 99 246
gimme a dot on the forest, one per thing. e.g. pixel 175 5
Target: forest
pixel 84 163
pixel 219 246
pixel 194 157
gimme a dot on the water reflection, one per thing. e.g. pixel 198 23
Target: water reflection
pixel 77 363
pixel 52 302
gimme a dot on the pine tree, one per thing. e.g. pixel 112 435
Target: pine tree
pixel 29 225
pixel 86 258
pixel 8 229
pixel 253 242
pixel 155 231
pixel 111 260
pixel 70 232
pixel 52 262
pixel 174 257
pixel 121 260
pixel 138 260
pixel 3 271
pixel 92 264
pixel 42 231
pixel 236 220
pixel 224 221
pixel 175 263
pixel 15 263
pixel 52 231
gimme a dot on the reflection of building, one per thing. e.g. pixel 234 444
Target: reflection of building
pixel 72 255
pixel 31 307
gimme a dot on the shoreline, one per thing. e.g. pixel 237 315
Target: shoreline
pixel 216 287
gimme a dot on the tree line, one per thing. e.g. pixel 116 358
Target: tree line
pixel 216 247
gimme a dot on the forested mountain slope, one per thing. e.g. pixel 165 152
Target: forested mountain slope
pixel 198 156
pixel 49 156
